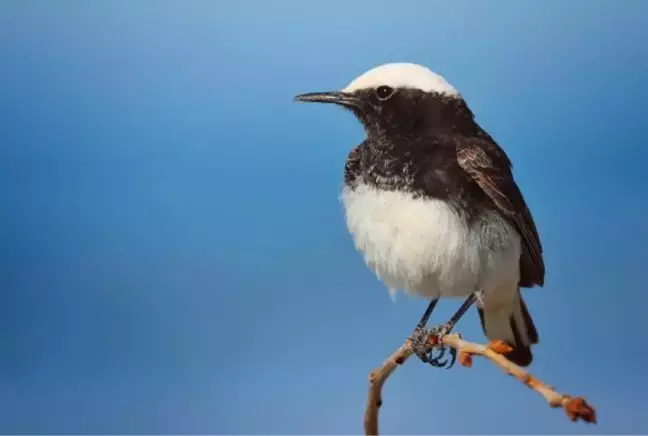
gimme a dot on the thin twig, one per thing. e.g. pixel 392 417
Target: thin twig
pixel 376 380
pixel 575 407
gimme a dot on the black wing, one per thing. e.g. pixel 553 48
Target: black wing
pixel 490 168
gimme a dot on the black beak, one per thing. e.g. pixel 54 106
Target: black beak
pixel 341 98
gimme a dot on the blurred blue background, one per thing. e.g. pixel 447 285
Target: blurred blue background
pixel 173 253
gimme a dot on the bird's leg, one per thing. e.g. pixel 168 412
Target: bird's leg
pixel 426 315
pixel 421 335
pixel 448 326
pixel 446 329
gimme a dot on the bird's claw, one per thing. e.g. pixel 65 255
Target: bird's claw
pixel 438 363
pixel 434 356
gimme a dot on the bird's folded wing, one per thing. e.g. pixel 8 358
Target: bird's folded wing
pixel 489 167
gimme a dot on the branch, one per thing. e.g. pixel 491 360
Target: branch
pixel 377 379
pixel 575 407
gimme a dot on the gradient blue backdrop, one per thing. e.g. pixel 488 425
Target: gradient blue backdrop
pixel 173 256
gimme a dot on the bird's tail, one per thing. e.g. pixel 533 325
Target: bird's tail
pixel 512 324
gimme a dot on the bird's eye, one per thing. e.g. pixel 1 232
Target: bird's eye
pixel 384 92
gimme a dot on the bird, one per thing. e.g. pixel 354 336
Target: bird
pixel 431 202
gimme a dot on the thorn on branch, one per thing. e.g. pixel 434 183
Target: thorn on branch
pixel 465 359
pixel 500 347
pixel 577 408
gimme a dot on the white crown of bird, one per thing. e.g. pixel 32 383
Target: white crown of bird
pixel 402 75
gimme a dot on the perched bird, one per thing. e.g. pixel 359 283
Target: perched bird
pixel 431 202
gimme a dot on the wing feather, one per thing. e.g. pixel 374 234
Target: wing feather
pixel 490 168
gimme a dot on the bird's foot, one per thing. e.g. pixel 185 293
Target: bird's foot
pixel 437 360
pixel 441 352
pixel 422 340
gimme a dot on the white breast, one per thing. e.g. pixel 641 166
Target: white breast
pixel 425 248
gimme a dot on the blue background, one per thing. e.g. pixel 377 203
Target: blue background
pixel 173 255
